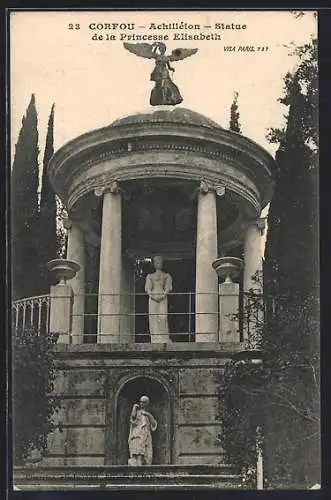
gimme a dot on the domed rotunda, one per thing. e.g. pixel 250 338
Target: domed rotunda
pixel 167 182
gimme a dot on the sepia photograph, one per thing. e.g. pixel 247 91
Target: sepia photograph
pixel 164 244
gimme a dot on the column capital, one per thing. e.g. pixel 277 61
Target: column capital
pixel 112 187
pixel 206 187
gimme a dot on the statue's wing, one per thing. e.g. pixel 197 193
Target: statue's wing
pixel 178 54
pixel 140 49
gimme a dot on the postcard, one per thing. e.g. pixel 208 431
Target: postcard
pixel 164 284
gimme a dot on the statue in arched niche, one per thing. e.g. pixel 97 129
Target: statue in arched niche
pixel 142 424
pixel 157 286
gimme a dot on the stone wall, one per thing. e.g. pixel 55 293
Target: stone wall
pixel 80 437
pixel 198 424
pixel 95 384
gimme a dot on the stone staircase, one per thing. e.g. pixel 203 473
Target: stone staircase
pixel 156 477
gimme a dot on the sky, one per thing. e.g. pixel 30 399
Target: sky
pixel 94 82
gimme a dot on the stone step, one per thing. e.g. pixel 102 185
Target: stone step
pixel 125 477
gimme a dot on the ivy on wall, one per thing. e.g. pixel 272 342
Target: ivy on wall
pixel 33 407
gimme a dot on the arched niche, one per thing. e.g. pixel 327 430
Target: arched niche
pixel 160 407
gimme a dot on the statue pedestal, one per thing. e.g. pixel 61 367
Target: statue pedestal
pixel 61 298
pixel 228 311
pixel 60 312
pixel 227 269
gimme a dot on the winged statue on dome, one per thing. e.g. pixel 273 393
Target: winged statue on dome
pixel 165 92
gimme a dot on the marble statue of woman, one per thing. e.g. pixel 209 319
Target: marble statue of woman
pixel 142 424
pixel 157 286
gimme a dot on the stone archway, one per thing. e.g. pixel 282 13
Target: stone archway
pixel 129 394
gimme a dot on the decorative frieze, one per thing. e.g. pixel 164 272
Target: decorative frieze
pixel 119 141
pixel 165 164
pixel 222 152
pixel 116 152
pixel 235 185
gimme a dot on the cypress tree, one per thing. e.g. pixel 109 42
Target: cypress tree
pixel 281 395
pixel 48 212
pixel 234 115
pixel 292 215
pixel 292 435
pixel 24 201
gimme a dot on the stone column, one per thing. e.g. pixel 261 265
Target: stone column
pixel 206 300
pixel 110 264
pixel 76 252
pixel 253 266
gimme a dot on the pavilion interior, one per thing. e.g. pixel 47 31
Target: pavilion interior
pixel 159 217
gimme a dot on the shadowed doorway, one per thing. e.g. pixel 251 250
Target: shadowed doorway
pixel 159 407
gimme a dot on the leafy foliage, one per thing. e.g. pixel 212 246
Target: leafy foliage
pixel 240 388
pixel 239 410
pixel 281 394
pixel 275 386
pixel 33 379
pixel 292 338
pixel 304 85
pixel 292 344
pixel 62 236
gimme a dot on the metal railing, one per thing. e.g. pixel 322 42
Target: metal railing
pixel 32 312
pixel 132 320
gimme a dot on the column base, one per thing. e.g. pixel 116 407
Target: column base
pixel 64 338
pixel 160 339
pixel 205 337
pixel 106 338
pixel 77 338
pixel 109 330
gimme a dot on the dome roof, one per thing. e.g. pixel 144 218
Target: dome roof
pixel 165 114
